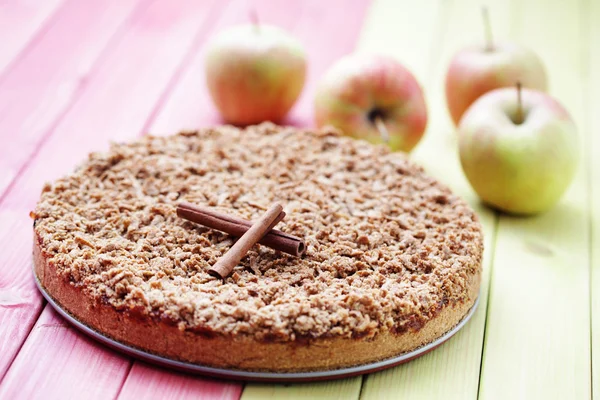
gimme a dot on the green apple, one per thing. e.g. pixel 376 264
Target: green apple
pixel 518 149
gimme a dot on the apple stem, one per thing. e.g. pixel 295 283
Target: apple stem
pixel 519 105
pixel 383 131
pixel 489 42
pixel 254 19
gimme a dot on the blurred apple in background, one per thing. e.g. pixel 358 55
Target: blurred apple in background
pixel 476 70
pixel 254 73
pixel 518 149
pixel 372 98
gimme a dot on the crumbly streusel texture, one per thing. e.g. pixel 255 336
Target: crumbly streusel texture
pixel 388 247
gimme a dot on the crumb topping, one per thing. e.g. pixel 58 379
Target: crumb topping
pixel 387 245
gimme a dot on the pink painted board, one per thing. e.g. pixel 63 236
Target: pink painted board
pixel 114 106
pixel 325 32
pixel 20 301
pixel 146 381
pixel 21 22
pixel 121 97
pixel 56 362
pixel 45 82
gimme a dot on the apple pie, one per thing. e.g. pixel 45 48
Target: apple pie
pixel 392 261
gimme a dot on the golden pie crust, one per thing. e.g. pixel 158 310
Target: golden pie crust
pixel 393 258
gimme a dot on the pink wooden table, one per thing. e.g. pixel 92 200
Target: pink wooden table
pixel 75 75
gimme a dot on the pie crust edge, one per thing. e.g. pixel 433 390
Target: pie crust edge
pixel 244 352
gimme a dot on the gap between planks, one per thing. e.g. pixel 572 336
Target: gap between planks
pixel 593 118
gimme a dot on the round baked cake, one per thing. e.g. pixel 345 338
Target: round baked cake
pixel 392 262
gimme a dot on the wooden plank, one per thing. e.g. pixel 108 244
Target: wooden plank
pixel 452 371
pixel 20 302
pixel 594 167
pixel 327 37
pixel 538 329
pixel 340 389
pixel 187 107
pixel 71 365
pixel 145 382
pixel 32 98
pixel 20 22
pixel 115 106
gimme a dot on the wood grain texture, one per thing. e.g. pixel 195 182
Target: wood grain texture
pixel 538 328
pixel 20 23
pixel 148 382
pixel 340 389
pixel 593 153
pixel 32 97
pixel 115 106
pixel 452 371
pixel 57 362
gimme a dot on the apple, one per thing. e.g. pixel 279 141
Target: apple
pixel 518 149
pixel 476 70
pixel 254 73
pixel 373 98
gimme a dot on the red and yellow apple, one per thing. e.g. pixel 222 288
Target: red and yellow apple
pixel 372 98
pixel 520 157
pixel 254 73
pixel 477 70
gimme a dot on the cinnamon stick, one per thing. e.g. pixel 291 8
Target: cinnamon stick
pixel 225 264
pixel 235 226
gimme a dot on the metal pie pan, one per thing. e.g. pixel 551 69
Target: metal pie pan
pixel 241 375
